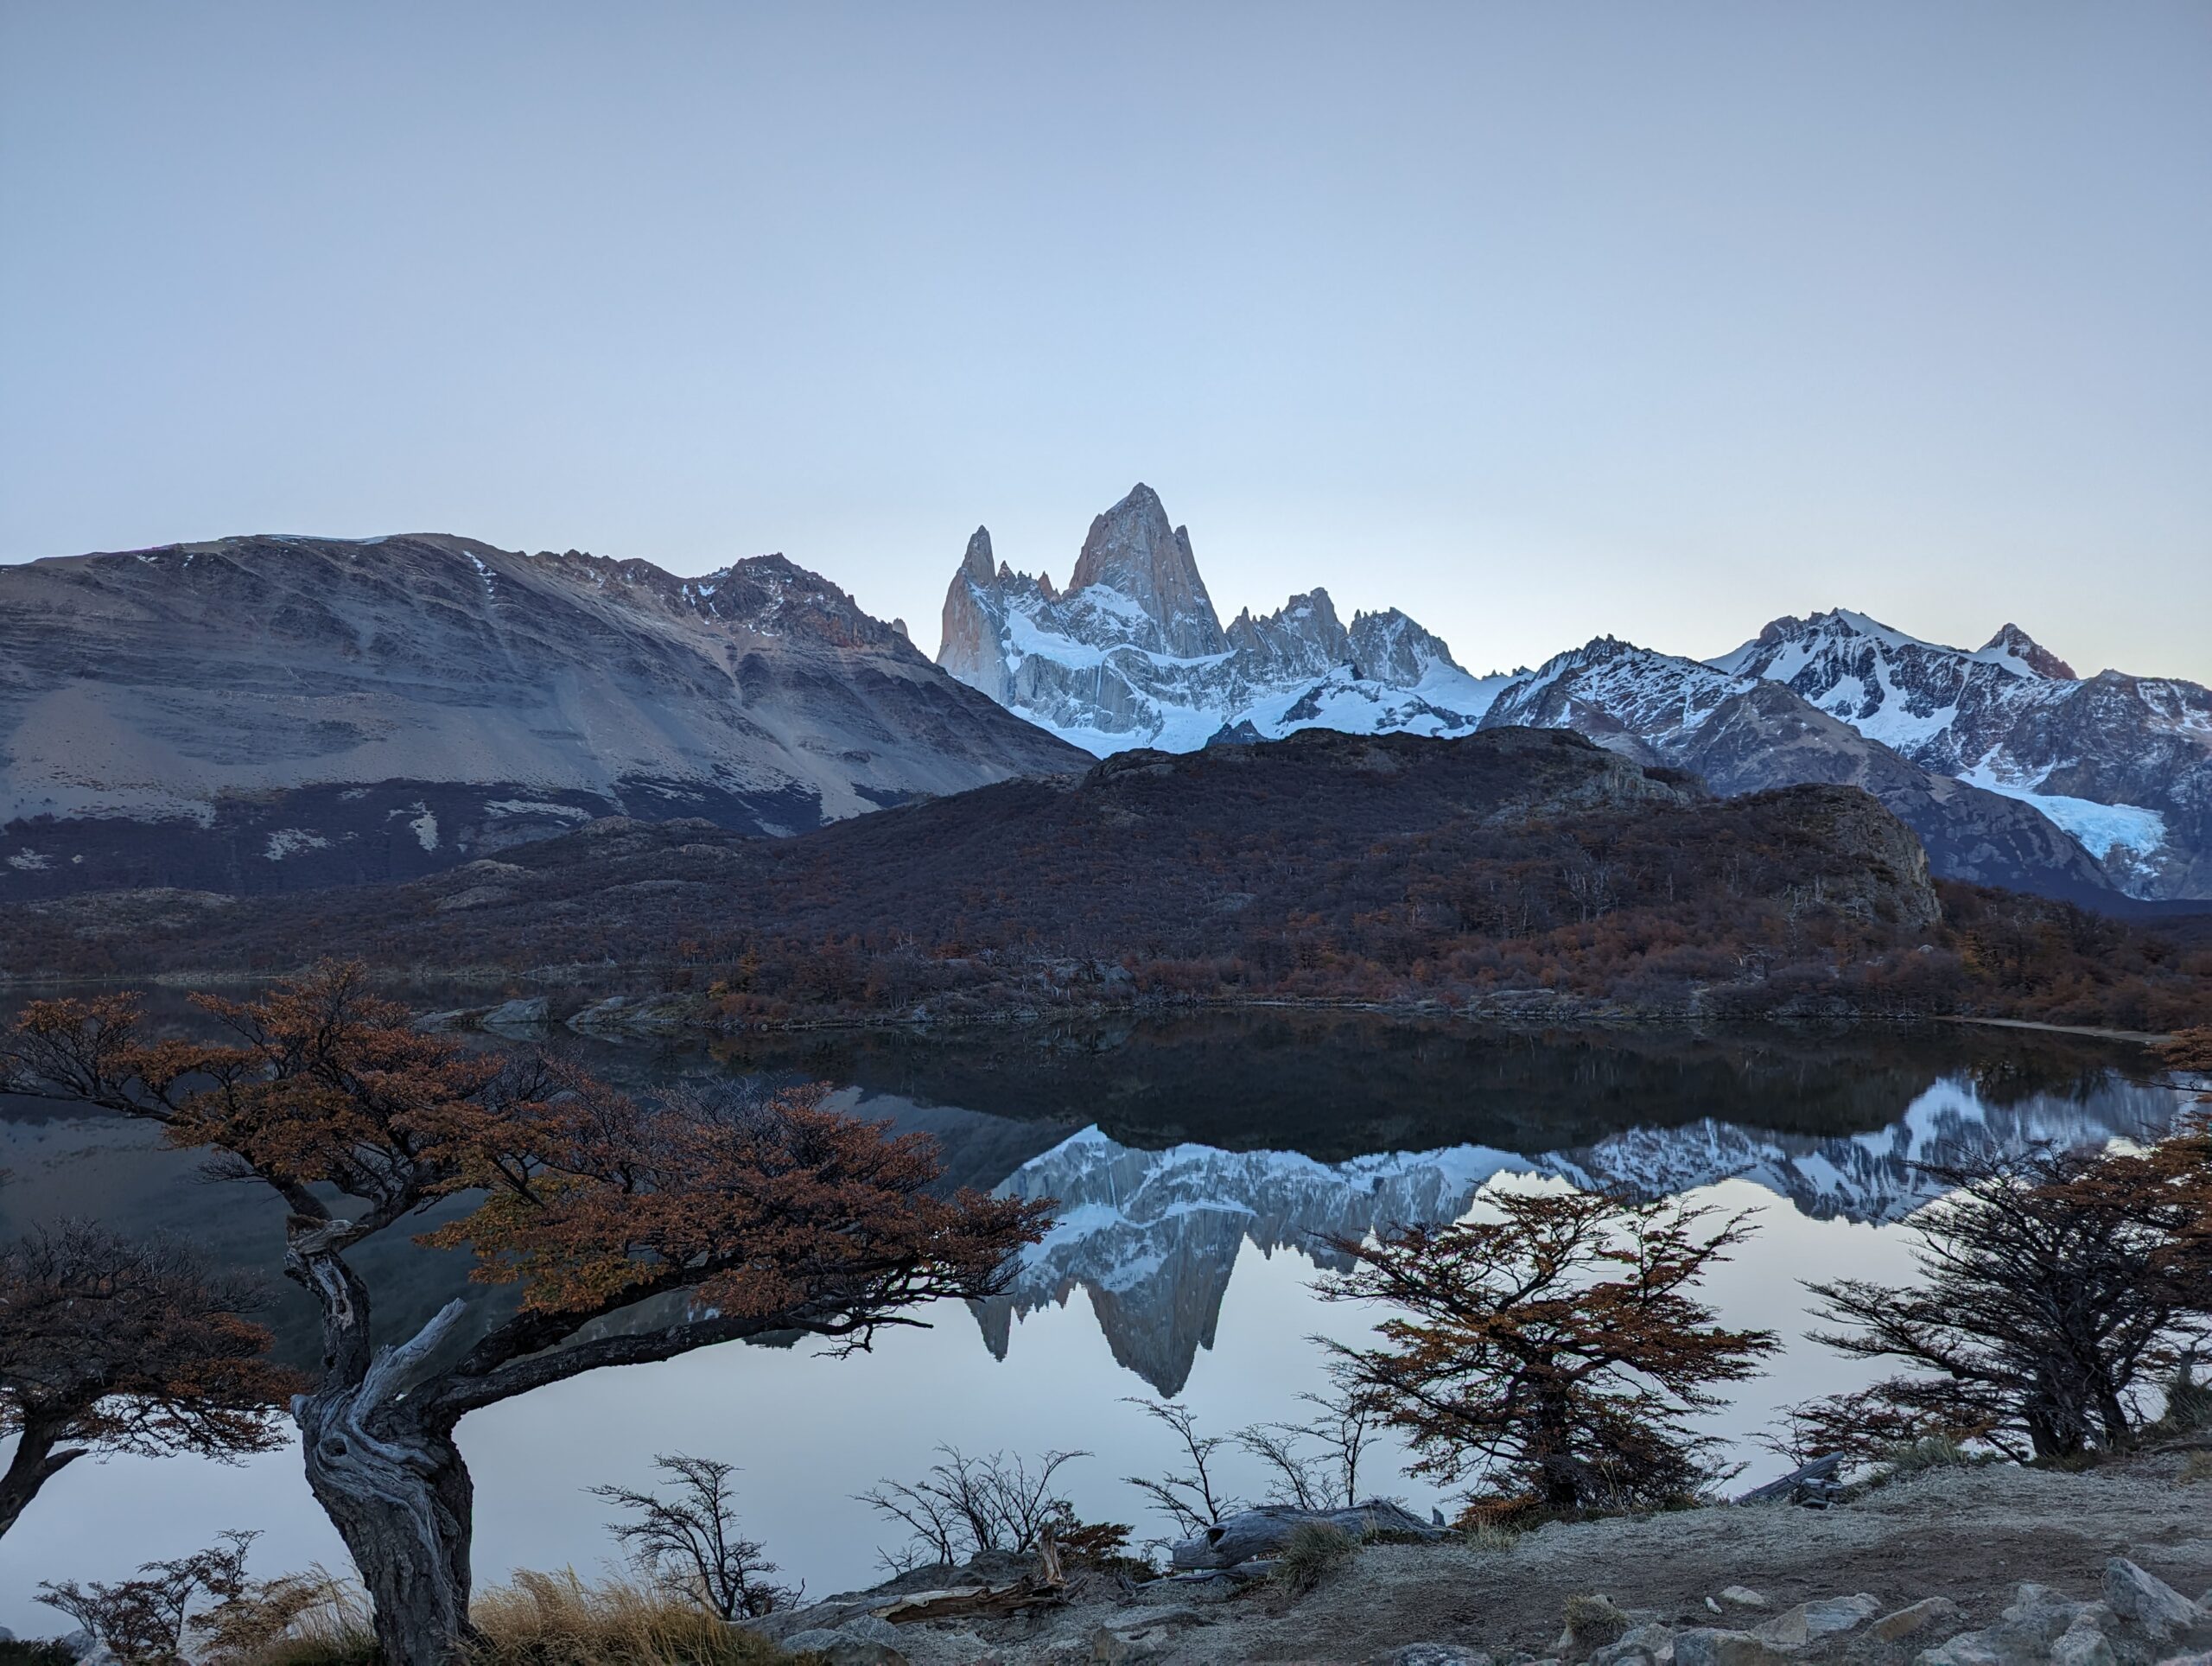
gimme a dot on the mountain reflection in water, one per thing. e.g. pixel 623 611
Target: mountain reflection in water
pixel 1187 1156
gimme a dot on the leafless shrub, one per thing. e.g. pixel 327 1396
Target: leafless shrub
pixel 1191 1499
pixel 688 1545
pixel 964 1507
pixel 1315 1464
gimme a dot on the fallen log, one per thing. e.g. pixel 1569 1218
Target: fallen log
pixel 1816 1481
pixel 1252 1534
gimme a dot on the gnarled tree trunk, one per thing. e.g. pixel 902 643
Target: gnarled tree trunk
pixel 401 1499
pixel 385 1467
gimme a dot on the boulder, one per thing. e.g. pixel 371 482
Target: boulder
pixel 2000 1645
pixel 1808 1622
pixel 2148 1605
pixel 2082 1645
pixel 1927 1615
pixel 1431 1654
pixel 530 1013
pixel 2050 1614
pixel 871 1627
pixel 1710 1646
pixel 1654 1643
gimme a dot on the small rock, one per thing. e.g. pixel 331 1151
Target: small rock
pixel 1432 1653
pixel 1112 1648
pixel 1652 1641
pixel 842 1648
pixel 1912 1622
pixel 1709 1646
pixel 2045 1612
pixel 2147 1604
pixel 1999 1646
pixel 1808 1622
pixel 1742 1596
pixel 2082 1645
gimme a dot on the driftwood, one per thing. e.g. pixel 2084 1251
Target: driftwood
pixel 972 1602
pixel 1815 1484
pixel 1252 1534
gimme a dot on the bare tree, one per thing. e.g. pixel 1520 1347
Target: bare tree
pixel 112 1345
pixel 690 1544
pixel 1191 1499
pixel 964 1507
pixel 143 1621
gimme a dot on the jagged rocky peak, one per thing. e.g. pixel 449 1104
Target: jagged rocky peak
pixel 1392 648
pixel 977 566
pixel 2014 645
pixel 1132 549
pixel 1303 634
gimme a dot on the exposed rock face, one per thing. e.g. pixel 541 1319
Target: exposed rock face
pixel 1131 550
pixel 260 714
pixel 2122 763
pixel 1132 653
pixel 1743 734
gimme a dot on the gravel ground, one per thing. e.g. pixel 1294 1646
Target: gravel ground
pixel 1970 1536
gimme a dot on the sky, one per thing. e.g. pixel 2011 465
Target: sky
pixel 1539 322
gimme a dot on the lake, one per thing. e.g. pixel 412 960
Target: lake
pixel 1198 1163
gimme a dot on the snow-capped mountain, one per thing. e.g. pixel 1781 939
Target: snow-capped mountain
pixel 269 714
pixel 2122 763
pixel 1133 654
pixel 1743 735
pixel 1153 1237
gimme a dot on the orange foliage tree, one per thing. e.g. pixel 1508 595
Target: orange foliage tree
pixel 111 1345
pixel 1555 1354
pixel 636 1230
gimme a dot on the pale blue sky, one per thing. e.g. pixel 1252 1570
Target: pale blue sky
pixel 1537 320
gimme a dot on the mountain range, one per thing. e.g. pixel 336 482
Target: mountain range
pixel 272 714
pixel 277 714
pixel 2012 770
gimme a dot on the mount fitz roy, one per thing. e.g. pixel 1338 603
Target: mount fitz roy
pixel 2013 770
pixel 1132 653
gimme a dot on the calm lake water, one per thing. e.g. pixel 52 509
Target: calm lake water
pixel 1196 1162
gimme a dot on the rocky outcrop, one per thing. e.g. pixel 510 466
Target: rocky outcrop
pixel 1133 653
pixel 1743 734
pixel 273 714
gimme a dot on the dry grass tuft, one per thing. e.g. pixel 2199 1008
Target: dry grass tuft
pixel 555 1619
pixel 540 1619
pixel 1312 1553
